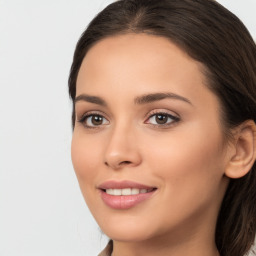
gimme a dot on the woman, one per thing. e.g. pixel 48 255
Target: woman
pixel 164 142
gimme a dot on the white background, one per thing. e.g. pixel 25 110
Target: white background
pixel 42 211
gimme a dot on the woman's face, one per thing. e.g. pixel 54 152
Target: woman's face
pixel 148 148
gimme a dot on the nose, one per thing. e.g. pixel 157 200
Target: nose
pixel 122 149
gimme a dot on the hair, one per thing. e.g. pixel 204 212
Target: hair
pixel 215 37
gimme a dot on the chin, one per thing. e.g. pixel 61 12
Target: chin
pixel 128 236
pixel 128 232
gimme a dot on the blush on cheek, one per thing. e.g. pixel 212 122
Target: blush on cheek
pixel 188 158
pixel 78 158
pixel 83 166
pixel 85 159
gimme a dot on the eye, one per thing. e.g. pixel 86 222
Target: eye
pixel 162 119
pixel 93 120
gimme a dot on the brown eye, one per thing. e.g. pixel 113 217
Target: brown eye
pixel 94 120
pixel 97 120
pixel 162 119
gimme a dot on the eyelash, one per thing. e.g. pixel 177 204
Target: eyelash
pixel 175 119
pixel 86 116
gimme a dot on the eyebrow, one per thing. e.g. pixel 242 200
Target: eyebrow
pixel 147 98
pixel 144 99
pixel 91 99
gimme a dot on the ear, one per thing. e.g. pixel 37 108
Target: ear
pixel 243 150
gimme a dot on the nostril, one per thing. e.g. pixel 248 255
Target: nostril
pixel 118 165
pixel 125 162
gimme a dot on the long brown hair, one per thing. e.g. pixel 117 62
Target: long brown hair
pixel 214 36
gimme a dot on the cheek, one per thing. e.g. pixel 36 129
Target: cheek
pixel 188 161
pixel 190 173
pixel 85 158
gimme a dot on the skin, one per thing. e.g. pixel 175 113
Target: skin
pixel 186 160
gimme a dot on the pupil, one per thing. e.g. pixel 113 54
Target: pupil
pixel 161 119
pixel 96 120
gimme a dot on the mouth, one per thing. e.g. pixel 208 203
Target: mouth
pixel 127 191
pixel 124 194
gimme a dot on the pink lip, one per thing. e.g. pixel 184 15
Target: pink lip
pixel 123 202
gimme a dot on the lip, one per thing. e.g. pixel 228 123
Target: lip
pixel 124 202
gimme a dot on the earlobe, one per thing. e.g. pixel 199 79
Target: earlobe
pixel 244 155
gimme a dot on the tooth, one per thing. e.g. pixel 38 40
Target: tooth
pixel 135 191
pixel 126 192
pixel 110 191
pixel 117 192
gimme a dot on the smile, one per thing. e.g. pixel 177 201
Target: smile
pixel 124 194
pixel 127 191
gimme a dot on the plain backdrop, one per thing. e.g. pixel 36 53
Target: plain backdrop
pixel 42 212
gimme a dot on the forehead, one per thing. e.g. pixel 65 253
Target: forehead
pixel 131 64
pixel 136 58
